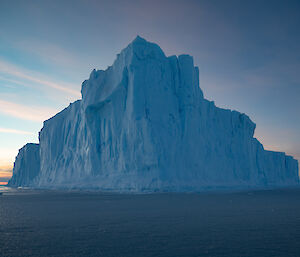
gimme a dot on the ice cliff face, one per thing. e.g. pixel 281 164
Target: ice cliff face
pixel 143 124
pixel 27 166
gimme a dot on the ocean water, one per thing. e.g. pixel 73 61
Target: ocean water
pixel 49 223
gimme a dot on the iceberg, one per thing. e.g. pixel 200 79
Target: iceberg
pixel 143 125
pixel 26 166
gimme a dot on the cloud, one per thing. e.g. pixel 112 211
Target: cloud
pixel 50 52
pixel 14 81
pixel 5 173
pixel 32 113
pixel 10 69
pixel 7 156
pixel 15 131
pixel 6 168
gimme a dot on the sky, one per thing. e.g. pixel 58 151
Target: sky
pixel 248 53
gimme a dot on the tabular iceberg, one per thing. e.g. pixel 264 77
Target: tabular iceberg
pixel 143 124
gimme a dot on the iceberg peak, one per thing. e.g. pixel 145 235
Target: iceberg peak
pixel 139 39
pixel 144 49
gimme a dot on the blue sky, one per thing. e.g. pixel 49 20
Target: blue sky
pixel 248 53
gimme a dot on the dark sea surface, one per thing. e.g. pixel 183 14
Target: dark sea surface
pixel 246 223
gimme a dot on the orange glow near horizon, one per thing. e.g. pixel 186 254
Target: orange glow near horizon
pixel 3 183
pixel 5 173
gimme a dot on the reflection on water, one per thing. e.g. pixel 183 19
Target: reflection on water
pixel 48 223
pixel 4 189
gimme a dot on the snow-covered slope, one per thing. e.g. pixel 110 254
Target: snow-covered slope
pixel 143 124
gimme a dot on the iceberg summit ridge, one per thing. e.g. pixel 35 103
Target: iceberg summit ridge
pixel 143 125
